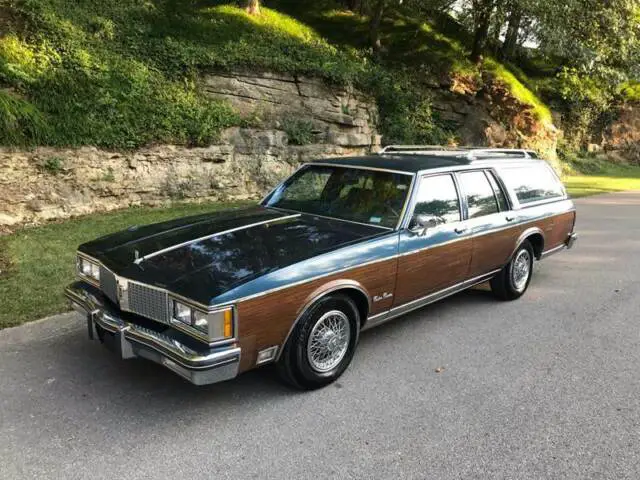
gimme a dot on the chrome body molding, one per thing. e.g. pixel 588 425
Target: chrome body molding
pixel 213 235
pixel 200 367
pixel 395 312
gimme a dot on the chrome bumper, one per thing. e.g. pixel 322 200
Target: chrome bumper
pixel 200 366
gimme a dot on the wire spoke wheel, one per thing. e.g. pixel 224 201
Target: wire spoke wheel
pixel 329 341
pixel 521 269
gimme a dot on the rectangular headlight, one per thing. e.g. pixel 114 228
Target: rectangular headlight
pixel 182 313
pixel 213 326
pixel 88 269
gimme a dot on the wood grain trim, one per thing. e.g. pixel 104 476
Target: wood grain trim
pixel 266 321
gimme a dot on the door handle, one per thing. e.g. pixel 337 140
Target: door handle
pixel 461 230
pixel 509 218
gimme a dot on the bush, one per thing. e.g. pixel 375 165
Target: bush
pixel 299 131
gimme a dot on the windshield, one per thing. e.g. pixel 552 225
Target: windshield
pixel 359 195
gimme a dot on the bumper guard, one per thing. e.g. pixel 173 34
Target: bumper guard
pixel 200 367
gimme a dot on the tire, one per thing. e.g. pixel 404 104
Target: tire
pixel 321 345
pixel 514 279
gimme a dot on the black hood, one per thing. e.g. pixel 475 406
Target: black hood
pixel 204 256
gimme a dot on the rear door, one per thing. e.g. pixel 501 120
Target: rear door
pixel 438 257
pixel 489 220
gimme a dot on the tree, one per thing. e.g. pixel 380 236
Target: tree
pixel 482 16
pixel 374 26
pixel 510 43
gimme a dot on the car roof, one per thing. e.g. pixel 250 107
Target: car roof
pixel 415 163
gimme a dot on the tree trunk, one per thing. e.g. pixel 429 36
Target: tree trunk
pixel 374 27
pixel 253 7
pixel 511 39
pixel 483 10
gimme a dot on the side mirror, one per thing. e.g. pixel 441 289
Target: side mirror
pixel 421 223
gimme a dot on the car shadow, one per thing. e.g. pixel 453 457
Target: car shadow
pixel 69 366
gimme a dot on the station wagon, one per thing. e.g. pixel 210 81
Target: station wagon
pixel 341 246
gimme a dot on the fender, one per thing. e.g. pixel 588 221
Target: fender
pixel 526 234
pixel 320 292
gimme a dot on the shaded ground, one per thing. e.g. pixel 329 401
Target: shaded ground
pixel 546 387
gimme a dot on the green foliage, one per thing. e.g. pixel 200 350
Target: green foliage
pixel 53 165
pixel 519 90
pixel 299 131
pixel 630 91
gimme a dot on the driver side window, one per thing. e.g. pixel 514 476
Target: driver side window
pixel 437 197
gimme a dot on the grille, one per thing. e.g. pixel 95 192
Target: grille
pixel 148 302
pixel 109 285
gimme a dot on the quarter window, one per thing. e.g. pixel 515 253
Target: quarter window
pixel 481 200
pixel 502 199
pixel 438 197
pixel 532 183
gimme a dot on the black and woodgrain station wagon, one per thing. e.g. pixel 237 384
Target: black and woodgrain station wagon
pixel 341 246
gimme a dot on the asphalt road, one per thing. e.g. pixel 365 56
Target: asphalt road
pixel 545 387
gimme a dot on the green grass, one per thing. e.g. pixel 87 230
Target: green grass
pixel 520 91
pixel 585 185
pixel 124 73
pixel 36 263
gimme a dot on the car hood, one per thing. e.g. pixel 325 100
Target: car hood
pixel 205 256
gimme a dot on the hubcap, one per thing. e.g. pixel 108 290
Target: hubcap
pixel 329 341
pixel 521 269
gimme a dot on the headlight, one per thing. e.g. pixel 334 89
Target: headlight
pixel 214 326
pixel 88 269
pixel 182 313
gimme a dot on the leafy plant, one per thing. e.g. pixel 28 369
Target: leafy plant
pixel 299 131
pixel 53 165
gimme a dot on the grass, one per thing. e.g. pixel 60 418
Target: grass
pixel 36 263
pixel 520 91
pixel 585 185
pixel 125 73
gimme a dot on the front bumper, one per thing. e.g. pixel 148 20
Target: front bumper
pixel 132 337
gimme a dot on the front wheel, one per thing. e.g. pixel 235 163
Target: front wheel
pixel 513 280
pixel 322 344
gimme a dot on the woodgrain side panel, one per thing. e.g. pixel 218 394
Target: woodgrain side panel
pixel 560 229
pixel 428 271
pixel 492 251
pixel 266 321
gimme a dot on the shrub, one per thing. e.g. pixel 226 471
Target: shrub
pixel 299 131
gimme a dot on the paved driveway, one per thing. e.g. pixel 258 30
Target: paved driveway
pixel 546 387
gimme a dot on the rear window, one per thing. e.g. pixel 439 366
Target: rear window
pixel 532 183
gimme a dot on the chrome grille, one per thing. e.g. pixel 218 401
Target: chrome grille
pixel 148 302
pixel 109 284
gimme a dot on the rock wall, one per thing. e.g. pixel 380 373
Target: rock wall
pixel 277 111
pixel 486 114
pixel 620 140
pixel 49 183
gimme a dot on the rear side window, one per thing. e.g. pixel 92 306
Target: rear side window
pixel 481 199
pixel 532 183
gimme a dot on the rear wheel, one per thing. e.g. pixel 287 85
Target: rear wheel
pixel 322 344
pixel 513 280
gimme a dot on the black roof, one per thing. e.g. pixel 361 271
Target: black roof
pixel 402 163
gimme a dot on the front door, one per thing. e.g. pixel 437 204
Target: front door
pixel 437 257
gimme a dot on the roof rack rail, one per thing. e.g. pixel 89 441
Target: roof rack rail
pixel 471 153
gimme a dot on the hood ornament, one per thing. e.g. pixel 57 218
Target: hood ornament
pixel 136 254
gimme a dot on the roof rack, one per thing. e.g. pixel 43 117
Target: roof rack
pixel 470 153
